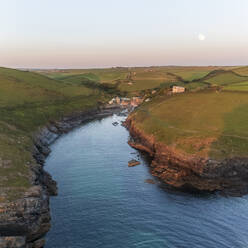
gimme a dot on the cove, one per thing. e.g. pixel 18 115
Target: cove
pixel 104 203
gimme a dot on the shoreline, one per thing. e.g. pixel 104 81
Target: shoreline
pixel 189 172
pixel 26 221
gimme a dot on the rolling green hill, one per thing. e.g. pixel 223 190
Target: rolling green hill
pixel 79 78
pixel 205 123
pixel 243 71
pixel 108 75
pixel 135 79
pixel 192 72
pixel 27 101
pixel 243 86
pixel 146 78
pixel 223 78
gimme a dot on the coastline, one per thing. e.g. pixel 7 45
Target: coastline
pixel 25 221
pixel 190 172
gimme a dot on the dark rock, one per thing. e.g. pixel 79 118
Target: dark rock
pixel 229 176
pixel 24 222
pixel 50 184
pixel 133 163
pixel 40 243
pixel 13 242
pixel 150 181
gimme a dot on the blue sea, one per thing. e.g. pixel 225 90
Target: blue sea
pixel 103 203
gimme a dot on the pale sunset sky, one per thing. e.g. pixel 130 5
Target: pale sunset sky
pixel 106 33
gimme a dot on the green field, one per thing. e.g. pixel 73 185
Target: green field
pixel 133 80
pixel 143 79
pixel 206 123
pixel 223 78
pixel 126 79
pixel 191 73
pixel 243 86
pixel 203 121
pixel 108 75
pixel 242 70
pixel 27 101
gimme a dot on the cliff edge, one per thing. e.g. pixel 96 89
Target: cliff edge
pixel 182 170
pixel 25 221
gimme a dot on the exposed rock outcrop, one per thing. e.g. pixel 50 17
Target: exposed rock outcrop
pixel 133 163
pixel 188 171
pixel 24 222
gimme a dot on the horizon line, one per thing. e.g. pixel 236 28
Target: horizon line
pixel 112 67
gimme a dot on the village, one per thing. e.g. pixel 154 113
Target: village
pixel 126 102
pixel 137 100
pixel 134 102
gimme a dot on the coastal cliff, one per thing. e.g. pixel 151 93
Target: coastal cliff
pixel 186 171
pixel 24 222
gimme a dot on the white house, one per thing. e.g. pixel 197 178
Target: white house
pixel 178 89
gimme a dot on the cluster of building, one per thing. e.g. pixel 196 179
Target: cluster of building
pixel 137 100
pixel 124 101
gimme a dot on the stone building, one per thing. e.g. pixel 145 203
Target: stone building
pixel 178 89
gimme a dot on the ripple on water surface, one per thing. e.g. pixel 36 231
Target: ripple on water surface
pixel 104 203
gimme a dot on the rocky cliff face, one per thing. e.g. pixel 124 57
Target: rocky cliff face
pixel 188 171
pixel 24 222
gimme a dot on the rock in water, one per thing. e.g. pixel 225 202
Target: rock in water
pixel 150 181
pixel 133 162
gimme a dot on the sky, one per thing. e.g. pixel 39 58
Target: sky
pixel 106 33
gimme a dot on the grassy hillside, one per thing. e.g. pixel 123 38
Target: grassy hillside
pixel 108 75
pixel 29 100
pixel 146 78
pixel 227 80
pixel 135 79
pixel 79 78
pixel 223 78
pixel 243 86
pixel 207 123
pixel 125 79
pixel 243 71
pixel 192 72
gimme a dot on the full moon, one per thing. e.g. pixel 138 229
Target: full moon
pixel 201 37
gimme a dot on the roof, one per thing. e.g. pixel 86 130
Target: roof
pixel 175 86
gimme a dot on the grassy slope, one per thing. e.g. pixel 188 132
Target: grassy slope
pixel 141 78
pixel 191 73
pixel 144 78
pixel 108 75
pixel 227 80
pixel 243 71
pixel 205 123
pixel 27 101
pixel 135 79
pixel 223 78
pixel 243 86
